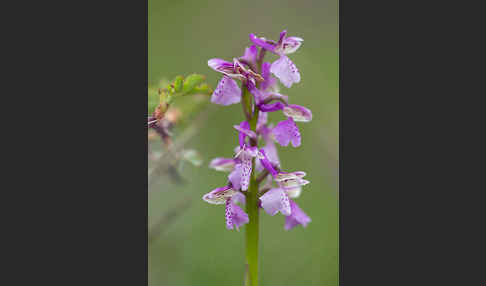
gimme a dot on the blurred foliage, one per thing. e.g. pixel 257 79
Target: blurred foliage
pixel 196 248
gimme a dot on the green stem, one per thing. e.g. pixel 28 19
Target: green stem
pixel 252 200
pixel 252 228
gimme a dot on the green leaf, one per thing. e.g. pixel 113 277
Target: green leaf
pixel 191 82
pixel 201 89
pixel 178 83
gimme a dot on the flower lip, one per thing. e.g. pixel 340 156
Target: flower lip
pixel 274 201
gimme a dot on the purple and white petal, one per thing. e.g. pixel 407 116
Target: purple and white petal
pixel 251 54
pixel 245 173
pixel 221 66
pixel 235 216
pixel 244 131
pixel 296 217
pixel 227 92
pixel 298 113
pixel 245 155
pixel 271 107
pixel 289 181
pixel 235 177
pixel 266 163
pixel 262 120
pixel 285 70
pixel 274 201
pixel 269 82
pixel 239 198
pixel 222 164
pixel 261 42
pixel 219 196
pixel 287 131
pixel 282 176
pixel 290 45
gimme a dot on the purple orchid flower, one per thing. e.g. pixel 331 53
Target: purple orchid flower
pixel 227 91
pixel 283 68
pixel 289 186
pixel 235 216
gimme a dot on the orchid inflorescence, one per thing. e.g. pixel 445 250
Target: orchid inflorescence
pixel 277 189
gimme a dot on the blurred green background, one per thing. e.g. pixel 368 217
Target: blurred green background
pixel 195 248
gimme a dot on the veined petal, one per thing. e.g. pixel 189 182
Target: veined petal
pixel 221 66
pixel 218 196
pixel 287 131
pixel 296 217
pixel 251 54
pixel 274 201
pixel 235 216
pixel 266 163
pixel 245 155
pixel 285 70
pixel 239 198
pixel 262 120
pixel 222 164
pixel 227 92
pixel 289 45
pixel 271 107
pixel 282 176
pixel 235 177
pixel 269 82
pixel 245 173
pixel 262 43
pixel 298 113
pixel 246 131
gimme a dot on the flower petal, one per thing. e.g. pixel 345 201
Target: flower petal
pixel 282 176
pixel 222 164
pixel 227 92
pixel 262 119
pixel 296 217
pixel 274 201
pixel 221 66
pixel 285 70
pixel 269 82
pixel 239 198
pixel 262 43
pixel 298 113
pixel 245 173
pixel 235 216
pixel 235 177
pixel 287 131
pixel 244 131
pixel 251 54
pixel 290 45
pixel 218 196
pixel 271 107
pixel 266 163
